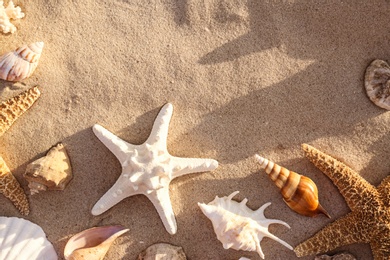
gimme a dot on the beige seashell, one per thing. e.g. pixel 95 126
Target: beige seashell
pixel 51 172
pixel 13 108
pixel 11 189
pixel 162 251
pixel 20 64
pixel 299 192
pixel 93 243
pixel 377 83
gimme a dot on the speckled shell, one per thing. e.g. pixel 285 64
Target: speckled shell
pixel 299 192
pixel 237 226
pixel 22 239
pixel 13 108
pixel 52 172
pixel 93 243
pixel 377 83
pixel 162 251
pixel 20 64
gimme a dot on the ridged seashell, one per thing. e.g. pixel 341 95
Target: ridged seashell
pixel 299 192
pixel 8 13
pixel 20 64
pixel 93 243
pixel 13 108
pixel 51 172
pixel 22 239
pixel 11 189
pixel 239 227
pixel 377 83
pixel 162 251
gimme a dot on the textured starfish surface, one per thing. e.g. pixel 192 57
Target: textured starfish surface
pixel 10 111
pixel 148 169
pixel 369 221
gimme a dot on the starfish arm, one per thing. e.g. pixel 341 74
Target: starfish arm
pixel 162 203
pixel 356 190
pixel 182 166
pixel 159 132
pixel 384 191
pixel 119 191
pixel 116 145
pixel 380 245
pixel 13 108
pixel 344 231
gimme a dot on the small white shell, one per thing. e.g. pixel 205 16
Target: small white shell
pixel 239 227
pixel 377 83
pixel 22 239
pixel 162 251
pixel 20 64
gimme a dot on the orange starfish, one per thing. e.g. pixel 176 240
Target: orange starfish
pixel 10 110
pixel 369 221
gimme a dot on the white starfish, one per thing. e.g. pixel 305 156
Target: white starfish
pixel 148 169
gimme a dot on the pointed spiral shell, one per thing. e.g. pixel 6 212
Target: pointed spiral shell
pixel 299 192
pixel 20 64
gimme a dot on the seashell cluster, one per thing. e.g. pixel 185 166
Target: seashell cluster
pixel 8 13
pixel 237 226
pixel 51 172
pixel 162 251
pixel 13 108
pixel 377 83
pixel 299 192
pixel 93 243
pixel 22 239
pixel 20 64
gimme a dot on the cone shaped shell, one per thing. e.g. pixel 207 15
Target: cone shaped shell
pixel 93 243
pixel 22 239
pixel 13 108
pixel 20 64
pixel 52 171
pixel 299 192
pixel 12 190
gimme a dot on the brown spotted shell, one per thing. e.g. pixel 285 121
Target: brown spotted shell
pixel 377 83
pixel 299 192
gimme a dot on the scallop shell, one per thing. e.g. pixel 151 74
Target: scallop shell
pixel 20 64
pixel 239 227
pixel 377 83
pixel 13 108
pixel 21 239
pixel 162 251
pixel 52 172
pixel 300 193
pixel 93 243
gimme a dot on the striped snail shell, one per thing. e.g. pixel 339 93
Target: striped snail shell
pixel 299 192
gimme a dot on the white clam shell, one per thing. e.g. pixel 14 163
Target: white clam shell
pixel 20 64
pixel 237 226
pixel 21 239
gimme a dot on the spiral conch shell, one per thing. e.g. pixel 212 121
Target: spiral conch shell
pixel 93 243
pixel 51 172
pixel 299 192
pixel 20 64
pixel 239 227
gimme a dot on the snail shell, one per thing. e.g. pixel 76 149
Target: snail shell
pixel 299 192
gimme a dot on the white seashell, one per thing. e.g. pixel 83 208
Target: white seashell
pixel 239 227
pixel 93 243
pixel 20 64
pixel 21 239
pixel 51 172
pixel 377 83
pixel 6 14
pixel 162 251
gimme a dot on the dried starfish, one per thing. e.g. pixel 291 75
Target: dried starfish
pixel 369 221
pixel 148 169
pixel 10 110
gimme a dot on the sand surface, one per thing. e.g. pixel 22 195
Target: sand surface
pixel 244 77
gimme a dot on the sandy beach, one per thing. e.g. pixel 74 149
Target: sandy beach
pixel 244 77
